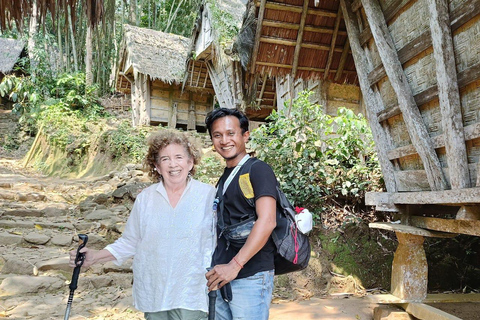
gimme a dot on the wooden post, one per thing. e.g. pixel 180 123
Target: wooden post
pixel 409 268
pixel 261 12
pixel 343 59
pixel 191 125
pixel 334 40
pixel 299 38
pixel 371 97
pixel 411 114
pixel 448 94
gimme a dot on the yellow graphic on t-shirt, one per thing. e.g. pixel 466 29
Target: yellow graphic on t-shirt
pixel 246 186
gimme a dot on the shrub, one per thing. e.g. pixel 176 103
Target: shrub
pixel 319 160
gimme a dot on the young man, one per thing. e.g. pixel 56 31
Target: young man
pixel 249 267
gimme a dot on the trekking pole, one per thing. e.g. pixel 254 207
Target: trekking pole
pixel 80 257
pixel 212 296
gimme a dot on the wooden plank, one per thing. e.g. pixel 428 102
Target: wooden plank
pixel 431 298
pixel 261 13
pixel 465 12
pixel 297 9
pixel 470 227
pixel 343 60
pixel 372 98
pixel 356 4
pixel 424 311
pixel 292 43
pixel 410 50
pixel 409 229
pixel 394 8
pixel 411 180
pixel 465 78
pixel 468 196
pixel 411 114
pixel 448 93
pixel 260 97
pixel 332 43
pixel 470 132
pixel 296 54
pixel 295 26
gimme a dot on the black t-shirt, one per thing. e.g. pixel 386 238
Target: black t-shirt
pixel 237 209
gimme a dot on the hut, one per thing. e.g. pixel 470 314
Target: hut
pixel 212 62
pixel 294 45
pixel 152 70
pixel 11 51
pixel 418 66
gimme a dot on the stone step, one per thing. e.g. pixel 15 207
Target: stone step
pixel 35 209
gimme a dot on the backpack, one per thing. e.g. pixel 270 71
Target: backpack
pixel 292 246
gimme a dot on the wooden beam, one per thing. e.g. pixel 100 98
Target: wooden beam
pixel 465 78
pixel 431 298
pixel 449 95
pixel 295 26
pixel 296 53
pixel 446 197
pixel 199 73
pixel 464 13
pixel 292 43
pixel 261 13
pixel 409 229
pixel 372 98
pixel 458 17
pixel 411 114
pixel 297 9
pixel 333 42
pixel 356 4
pixel 470 227
pixel 410 50
pixel 343 60
pixel 264 82
pixel 424 311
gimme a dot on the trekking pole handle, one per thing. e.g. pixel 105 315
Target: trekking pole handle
pixel 79 259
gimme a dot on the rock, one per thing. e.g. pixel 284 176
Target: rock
pixel 126 267
pixel 36 238
pixel 102 178
pixel 136 173
pixel 132 189
pixel 54 212
pixel 6 185
pixel 55 264
pixel 120 192
pixel 30 284
pixel 86 205
pixel 31 197
pixel 7 195
pixel 16 224
pixel 387 312
pixel 101 281
pixel 119 209
pixel 96 242
pixel 131 166
pixel 23 212
pixel 99 215
pixel 14 265
pixel 61 240
pixel 8 238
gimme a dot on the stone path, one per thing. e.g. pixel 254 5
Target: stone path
pixel 40 218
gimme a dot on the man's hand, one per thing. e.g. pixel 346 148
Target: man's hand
pixel 222 274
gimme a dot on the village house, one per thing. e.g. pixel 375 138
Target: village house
pixel 152 70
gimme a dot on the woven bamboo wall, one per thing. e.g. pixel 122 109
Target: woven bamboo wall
pixel 405 26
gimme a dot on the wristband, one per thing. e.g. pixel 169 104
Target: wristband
pixel 241 267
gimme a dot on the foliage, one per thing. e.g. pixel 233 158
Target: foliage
pixel 319 160
pixel 223 22
pixel 126 143
pixel 209 169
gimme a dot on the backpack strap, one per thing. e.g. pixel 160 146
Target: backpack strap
pixel 245 183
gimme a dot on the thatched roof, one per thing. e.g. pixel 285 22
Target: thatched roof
pixel 160 55
pixel 321 53
pixel 10 50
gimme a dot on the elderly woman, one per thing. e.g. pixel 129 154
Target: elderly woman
pixel 169 234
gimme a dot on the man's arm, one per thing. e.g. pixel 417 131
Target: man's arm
pixel 261 231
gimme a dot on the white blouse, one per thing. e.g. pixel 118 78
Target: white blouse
pixel 172 247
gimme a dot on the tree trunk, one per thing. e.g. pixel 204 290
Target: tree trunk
pixel 32 30
pixel 88 56
pixel 133 12
pixel 60 47
pixel 74 50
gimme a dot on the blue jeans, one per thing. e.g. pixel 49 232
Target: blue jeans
pixel 251 298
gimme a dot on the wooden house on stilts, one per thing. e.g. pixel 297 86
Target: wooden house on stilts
pixel 416 67
pixel 152 70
